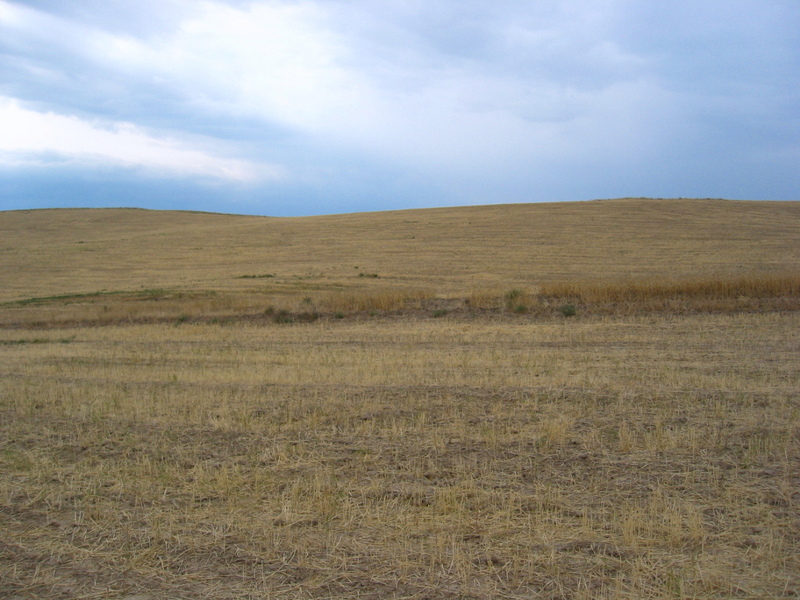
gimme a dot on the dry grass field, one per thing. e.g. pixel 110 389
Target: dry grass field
pixel 565 401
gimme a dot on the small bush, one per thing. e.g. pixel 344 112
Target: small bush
pixel 516 301
pixel 439 313
pixel 568 310
pixel 282 316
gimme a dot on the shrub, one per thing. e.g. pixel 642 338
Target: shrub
pixel 568 310
pixel 282 316
pixel 516 300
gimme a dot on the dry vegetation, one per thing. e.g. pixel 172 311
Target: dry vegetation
pixel 173 429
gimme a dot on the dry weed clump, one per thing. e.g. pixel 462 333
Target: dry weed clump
pixel 381 300
pixel 484 299
pixel 667 296
pixel 627 457
pixel 749 286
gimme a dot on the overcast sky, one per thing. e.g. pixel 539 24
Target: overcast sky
pixel 282 107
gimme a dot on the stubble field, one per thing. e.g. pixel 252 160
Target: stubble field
pixel 330 435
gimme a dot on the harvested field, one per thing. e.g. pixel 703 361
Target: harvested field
pixel 363 439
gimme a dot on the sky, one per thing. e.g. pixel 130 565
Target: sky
pixel 291 108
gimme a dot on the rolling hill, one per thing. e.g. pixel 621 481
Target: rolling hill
pixel 444 250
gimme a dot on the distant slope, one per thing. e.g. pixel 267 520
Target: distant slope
pixel 57 251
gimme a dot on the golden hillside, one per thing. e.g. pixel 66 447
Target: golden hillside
pixel 447 250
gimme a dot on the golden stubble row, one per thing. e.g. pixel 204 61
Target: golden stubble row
pixel 601 458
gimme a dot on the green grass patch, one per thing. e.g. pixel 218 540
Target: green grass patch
pixel 21 342
pixel 148 294
pixel 58 298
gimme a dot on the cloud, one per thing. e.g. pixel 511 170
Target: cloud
pixel 459 86
pixel 395 93
pixel 294 65
pixel 275 61
pixel 35 138
pixel 472 100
